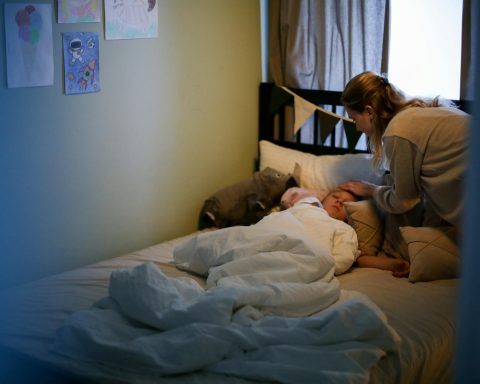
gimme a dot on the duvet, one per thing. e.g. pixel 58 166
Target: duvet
pixel 272 309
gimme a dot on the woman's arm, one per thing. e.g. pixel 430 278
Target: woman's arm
pixel 403 189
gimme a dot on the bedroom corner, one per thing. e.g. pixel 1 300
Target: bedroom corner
pixel 88 177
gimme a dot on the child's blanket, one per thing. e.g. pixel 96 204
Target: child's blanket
pixel 151 324
pixel 293 254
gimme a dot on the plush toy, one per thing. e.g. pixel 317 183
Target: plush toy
pixel 247 201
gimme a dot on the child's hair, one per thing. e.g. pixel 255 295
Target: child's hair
pixel 294 194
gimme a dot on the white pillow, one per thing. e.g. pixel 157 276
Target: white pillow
pixel 322 173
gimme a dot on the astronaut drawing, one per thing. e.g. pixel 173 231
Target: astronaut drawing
pixel 81 61
pixel 76 49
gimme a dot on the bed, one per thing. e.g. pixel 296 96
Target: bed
pixel 408 338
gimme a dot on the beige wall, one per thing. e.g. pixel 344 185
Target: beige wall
pixel 84 178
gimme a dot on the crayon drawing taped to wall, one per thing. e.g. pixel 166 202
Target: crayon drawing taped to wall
pixel 131 19
pixel 79 11
pixel 81 61
pixel 29 44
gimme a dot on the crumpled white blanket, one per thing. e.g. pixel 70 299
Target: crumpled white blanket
pixel 250 322
pixel 303 229
pixel 292 254
pixel 152 324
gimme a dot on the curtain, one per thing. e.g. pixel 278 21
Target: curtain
pixel 469 45
pixel 321 44
pixel 468 310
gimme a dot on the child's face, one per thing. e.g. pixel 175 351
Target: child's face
pixel 333 204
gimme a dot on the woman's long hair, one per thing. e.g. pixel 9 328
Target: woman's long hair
pixel 386 100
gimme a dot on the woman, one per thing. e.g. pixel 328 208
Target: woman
pixel 422 143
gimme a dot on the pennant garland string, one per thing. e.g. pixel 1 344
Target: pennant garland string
pixel 328 120
pixel 323 110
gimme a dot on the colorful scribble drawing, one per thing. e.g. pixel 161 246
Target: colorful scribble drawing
pixel 29 23
pixel 78 11
pixel 131 19
pixel 132 12
pixel 29 44
pixel 81 54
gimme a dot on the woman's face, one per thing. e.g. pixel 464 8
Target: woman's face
pixel 363 120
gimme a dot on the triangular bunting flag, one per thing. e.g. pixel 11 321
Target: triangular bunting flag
pixel 278 97
pixel 303 110
pixel 352 134
pixel 327 125
pixel 328 120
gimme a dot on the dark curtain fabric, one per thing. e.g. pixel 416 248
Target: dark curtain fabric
pixel 469 44
pixel 321 44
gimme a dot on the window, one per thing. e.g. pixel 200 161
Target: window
pixel 425 47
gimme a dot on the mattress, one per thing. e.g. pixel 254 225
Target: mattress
pixel 423 314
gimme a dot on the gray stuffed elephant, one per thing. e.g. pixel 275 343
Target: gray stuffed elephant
pixel 247 201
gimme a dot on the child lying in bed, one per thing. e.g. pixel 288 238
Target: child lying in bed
pixel 301 244
pixel 333 204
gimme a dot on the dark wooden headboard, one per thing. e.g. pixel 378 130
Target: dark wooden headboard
pixel 274 125
pixel 275 120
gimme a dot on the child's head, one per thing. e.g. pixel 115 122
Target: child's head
pixel 333 203
pixel 293 195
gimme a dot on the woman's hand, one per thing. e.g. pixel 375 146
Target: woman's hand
pixel 359 188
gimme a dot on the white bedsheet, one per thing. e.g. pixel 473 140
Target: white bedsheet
pixel 167 326
pixel 250 321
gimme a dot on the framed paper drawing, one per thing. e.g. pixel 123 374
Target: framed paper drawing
pixel 29 45
pixel 79 11
pixel 131 19
pixel 81 61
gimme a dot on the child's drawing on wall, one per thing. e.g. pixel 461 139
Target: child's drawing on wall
pixel 79 11
pixel 81 61
pixel 28 30
pixel 131 19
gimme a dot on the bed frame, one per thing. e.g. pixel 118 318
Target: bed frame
pixel 274 103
